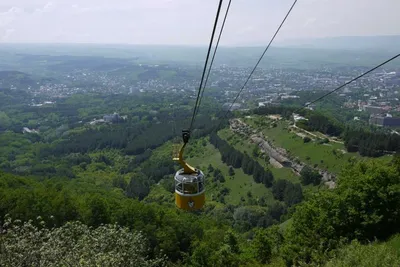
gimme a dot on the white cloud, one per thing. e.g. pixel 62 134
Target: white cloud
pixel 6 36
pixel 246 30
pixel 190 21
pixel 48 7
pixel 9 16
pixel 310 21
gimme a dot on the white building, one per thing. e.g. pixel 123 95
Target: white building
pixel 297 117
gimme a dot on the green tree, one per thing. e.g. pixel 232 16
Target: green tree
pixel 278 189
pixel 231 240
pixel 120 182
pixel 5 121
pixel 309 176
pixel 231 171
pixel 224 257
pixel 262 246
pixel 99 213
pixel 138 187
pixel 277 210
pixel 364 206
pixel 396 161
pixel 210 169
pixel 201 255
pixel 293 194
pixel 248 217
pixel 53 118
pixel 256 151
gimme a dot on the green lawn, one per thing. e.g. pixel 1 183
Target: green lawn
pixel 202 156
pixel 331 156
pixel 394 242
pixel 243 145
pixel 239 184
pixel 285 173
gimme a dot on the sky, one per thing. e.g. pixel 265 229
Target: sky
pixel 189 22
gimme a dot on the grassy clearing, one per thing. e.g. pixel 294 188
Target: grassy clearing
pixel 201 154
pixel 243 145
pixel 284 173
pixel 330 156
pixel 395 242
pixel 239 185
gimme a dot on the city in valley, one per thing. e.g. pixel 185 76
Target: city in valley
pixel 272 84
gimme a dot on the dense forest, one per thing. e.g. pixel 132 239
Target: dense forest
pixel 322 224
pixel 372 143
pixel 81 192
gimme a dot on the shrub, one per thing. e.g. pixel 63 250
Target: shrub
pixel 372 255
pixel 74 244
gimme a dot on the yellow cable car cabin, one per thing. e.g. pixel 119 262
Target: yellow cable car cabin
pixel 189 190
pixel 189 183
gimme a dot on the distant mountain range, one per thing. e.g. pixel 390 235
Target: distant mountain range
pixel 49 60
pixel 387 43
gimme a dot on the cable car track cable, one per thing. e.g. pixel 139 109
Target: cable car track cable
pixel 259 60
pixel 205 65
pixel 347 83
pixel 215 51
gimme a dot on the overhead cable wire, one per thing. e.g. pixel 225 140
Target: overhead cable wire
pixel 259 60
pixel 215 51
pixel 205 65
pixel 349 82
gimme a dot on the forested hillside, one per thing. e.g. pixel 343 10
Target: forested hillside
pixel 323 223
pixel 78 187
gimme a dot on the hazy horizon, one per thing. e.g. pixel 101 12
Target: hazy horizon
pixel 189 22
pixel 280 44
